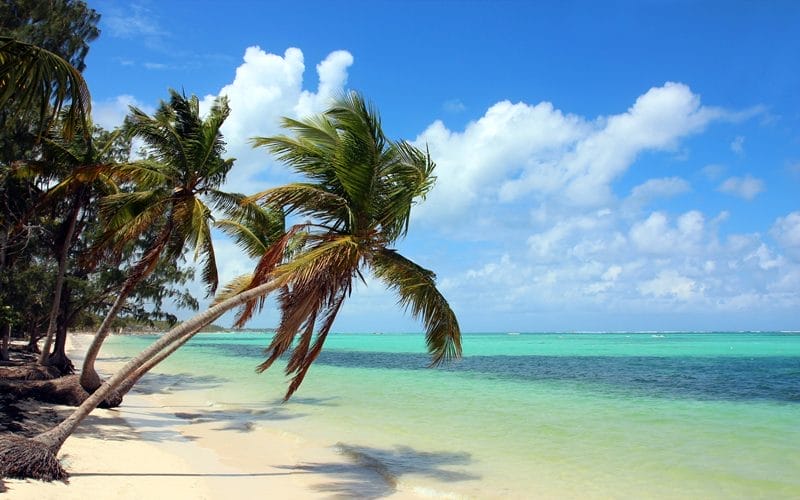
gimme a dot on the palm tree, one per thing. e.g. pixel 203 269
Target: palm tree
pixel 255 229
pixel 360 197
pixel 33 77
pixel 184 167
pixel 88 165
pixel 360 190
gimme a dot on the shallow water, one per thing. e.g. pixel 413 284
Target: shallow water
pixel 672 415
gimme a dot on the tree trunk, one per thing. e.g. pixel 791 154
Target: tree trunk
pixel 63 258
pixel 5 338
pixel 59 358
pixel 90 379
pixel 56 436
pixel 129 382
pixel 33 338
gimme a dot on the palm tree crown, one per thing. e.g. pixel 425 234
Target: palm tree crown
pixel 182 168
pixel 358 198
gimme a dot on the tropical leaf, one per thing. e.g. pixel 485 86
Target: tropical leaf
pixel 416 287
pixel 31 76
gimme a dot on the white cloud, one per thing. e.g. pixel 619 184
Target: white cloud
pixel 154 65
pixel 267 87
pixel 110 113
pixel 737 145
pixel 671 284
pixel 656 235
pixel 747 187
pixel 517 150
pixel 454 106
pixel 713 172
pixel 786 231
pixel 658 188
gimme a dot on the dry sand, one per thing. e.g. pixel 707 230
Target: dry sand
pixel 152 448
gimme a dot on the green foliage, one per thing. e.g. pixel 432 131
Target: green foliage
pixel 63 27
pixel 182 171
pixel 358 196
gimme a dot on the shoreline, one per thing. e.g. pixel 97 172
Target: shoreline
pixel 152 446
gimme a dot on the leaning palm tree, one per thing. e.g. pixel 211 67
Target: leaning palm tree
pixel 31 76
pixel 184 168
pixel 361 190
pixel 254 228
pixel 358 197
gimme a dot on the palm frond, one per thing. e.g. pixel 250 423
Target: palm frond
pixel 416 287
pixel 306 200
pixel 263 273
pixel 32 76
pixel 232 288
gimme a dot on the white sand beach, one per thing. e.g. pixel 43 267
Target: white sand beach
pixel 143 450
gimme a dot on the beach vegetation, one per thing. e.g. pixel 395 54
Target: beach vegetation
pixel 85 229
pixel 174 184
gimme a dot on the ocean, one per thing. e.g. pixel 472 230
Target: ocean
pixel 523 415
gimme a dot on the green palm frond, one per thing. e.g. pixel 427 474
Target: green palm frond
pixel 204 247
pixel 34 77
pixel 307 200
pixel 144 174
pixel 357 195
pixel 416 287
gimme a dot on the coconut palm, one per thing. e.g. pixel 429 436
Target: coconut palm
pixel 84 165
pixel 358 197
pixel 33 77
pixel 361 190
pixel 184 168
pixel 254 228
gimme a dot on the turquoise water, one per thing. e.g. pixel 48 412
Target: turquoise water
pixel 673 415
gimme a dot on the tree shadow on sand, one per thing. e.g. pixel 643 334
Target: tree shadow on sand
pixel 168 383
pixel 373 473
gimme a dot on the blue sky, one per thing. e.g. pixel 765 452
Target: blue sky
pixel 601 165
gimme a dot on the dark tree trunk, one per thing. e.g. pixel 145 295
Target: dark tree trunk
pixel 63 261
pixel 33 338
pixel 58 358
pixel 5 338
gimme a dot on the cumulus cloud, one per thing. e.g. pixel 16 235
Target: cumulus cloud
pixel 786 231
pixel 747 187
pixel 517 150
pixel 656 235
pixel 671 284
pixel 658 188
pixel 265 88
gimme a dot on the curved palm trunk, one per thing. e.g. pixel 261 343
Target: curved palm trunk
pixel 90 380
pixel 129 382
pixel 44 356
pixel 55 437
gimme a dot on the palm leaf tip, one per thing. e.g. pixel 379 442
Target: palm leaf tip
pixel 416 288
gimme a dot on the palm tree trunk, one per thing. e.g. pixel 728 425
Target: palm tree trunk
pixel 129 382
pixel 55 437
pixel 90 380
pixel 63 257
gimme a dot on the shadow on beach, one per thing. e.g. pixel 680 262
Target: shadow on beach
pixel 375 472
pixel 168 383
